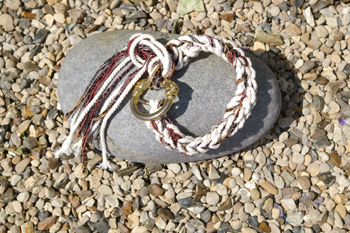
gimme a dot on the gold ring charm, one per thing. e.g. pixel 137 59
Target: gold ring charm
pixel 171 90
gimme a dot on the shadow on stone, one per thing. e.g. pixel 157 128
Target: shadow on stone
pixel 259 109
pixel 206 85
pixel 292 97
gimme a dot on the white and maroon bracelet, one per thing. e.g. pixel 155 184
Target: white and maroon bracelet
pixel 142 55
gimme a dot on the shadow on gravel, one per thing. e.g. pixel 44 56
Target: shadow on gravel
pixel 292 95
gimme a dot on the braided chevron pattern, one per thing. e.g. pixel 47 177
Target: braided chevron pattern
pixel 237 110
pixel 142 55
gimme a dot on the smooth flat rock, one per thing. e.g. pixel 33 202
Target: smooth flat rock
pixel 206 86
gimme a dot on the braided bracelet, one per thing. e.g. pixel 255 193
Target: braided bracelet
pixel 142 55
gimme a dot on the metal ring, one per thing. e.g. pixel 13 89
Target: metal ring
pixel 171 90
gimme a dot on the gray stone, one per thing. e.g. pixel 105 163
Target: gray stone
pixel 30 143
pixel 172 5
pixel 160 23
pixel 188 24
pixel 346 69
pixel 137 15
pixel 320 5
pixel 83 229
pixel 24 23
pixel 199 106
pixel 52 114
pixel 206 216
pixel 128 7
pixel 308 65
pixel 298 3
pixel 286 122
pixel 295 218
pixel 100 226
pixel 3 130
pixel 42 215
pixel 40 36
pixel 3 184
pixel 253 221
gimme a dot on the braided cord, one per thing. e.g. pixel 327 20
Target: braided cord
pixel 237 110
pixel 144 54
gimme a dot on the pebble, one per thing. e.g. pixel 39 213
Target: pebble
pixel 307 66
pixel 346 69
pixel 160 23
pixel 258 48
pixel 23 127
pixel 7 196
pixel 288 204
pixel 155 15
pixel 27 227
pixel 313 169
pixel 343 181
pixel 75 39
pixel 275 213
pixel 286 122
pixel 40 36
pixel 17 207
pixel 45 224
pixel 155 190
pixel 295 218
pixel 13 5
pixel 321 31
pixel 174 167
pixel 212 198
pixel 6 22
pixel 314 215
pixel 255 194
pixel 112 200
pixel 248 230
pixel 263 227
pixel 272 39
pixel 22 165
pixel 309 17
pixel 83 229
pixel 165 214
pixel 253 221
pixel 249 207
pixel 304 183
pixel 304 166
pixel 293 30
pixel 51 193
pixel 269 187
pixel 30 143
pixel 225 205
pixel 105 190
pixel 200 16
pixel 213 174
pixel 227 17
pixel 189 25
pixel 340 209
pixel 79 173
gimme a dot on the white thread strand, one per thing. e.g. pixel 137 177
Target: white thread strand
pixel 183 49
pixel 246 91
pixel 65 148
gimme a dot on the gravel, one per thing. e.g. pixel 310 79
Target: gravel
pixel 295 179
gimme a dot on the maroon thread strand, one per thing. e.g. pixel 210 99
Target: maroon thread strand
pixel 232 57
pixel 92 82
pixel 95 87
pixel 146 54
pixel 104 76
pixel 87 124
